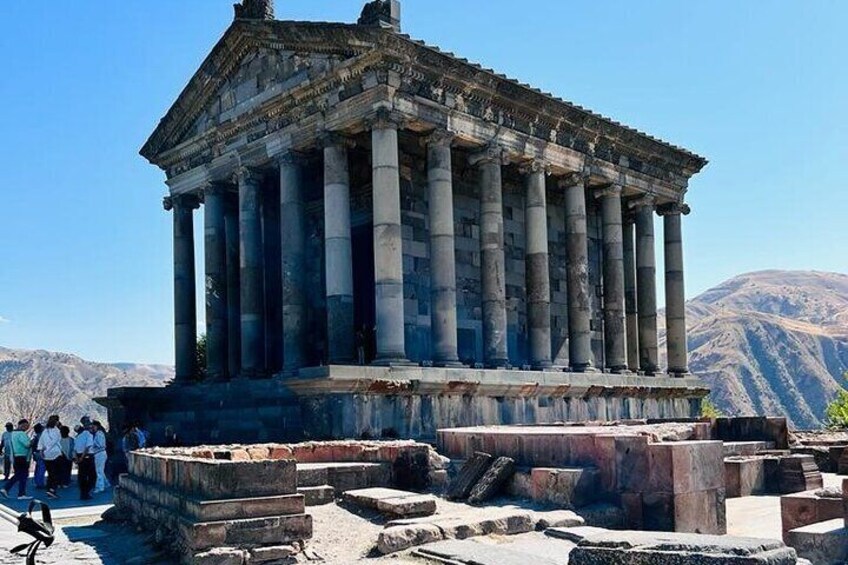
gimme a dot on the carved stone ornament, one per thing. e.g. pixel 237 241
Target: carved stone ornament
pixel 491 153
pixel 181 201
pixel 254 10
pixel 247 175
pixel 439 138
pixel 673 208
pixel 534 166
pixel 572 179
pixel 612 189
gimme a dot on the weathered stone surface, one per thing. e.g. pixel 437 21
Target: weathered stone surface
pixel 823 543
pixel 575 534
pixel 745 476
pixel 652 548
pixel 391 501
pixel 398 538
pixel 571 487
pixel 236 533
pixel 805 508
pixel 732 448
pixel 472 471
pixel 557 519
pixel 272 553
pixel 220 556
pixel 604 515
pixel 318 495
pixel 799 473
pixel 516 551
pixel 493 480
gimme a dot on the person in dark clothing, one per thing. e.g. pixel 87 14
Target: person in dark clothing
pixel 86 470
pixel 7 450
pixel 67 455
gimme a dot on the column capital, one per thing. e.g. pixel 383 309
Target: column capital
pixel 572 179
pixel 385 118
pixel 491 153
pixel 216 188
pixel 330 138
pixel 290 157
pixel 190 201
pixel 612 189
pixel 646 200
pixel 673 209
pixel 247 174
pixel 439 138
pixel 534 166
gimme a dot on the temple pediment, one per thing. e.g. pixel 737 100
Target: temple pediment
pixel 264 75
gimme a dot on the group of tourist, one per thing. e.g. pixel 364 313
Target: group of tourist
pixel 50 452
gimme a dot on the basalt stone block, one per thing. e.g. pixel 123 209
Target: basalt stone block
pixel 744 476
pixel 799 473
pixel 653 548
pixel 804 508
pixel 493 480
pixel 823 543
pixel 684 467
pixel 392 501
pixel 472 471
pixel 570 487
pixel 255 532
pixel 842 466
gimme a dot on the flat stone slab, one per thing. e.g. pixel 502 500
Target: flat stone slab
pixel 655 548
pixel 575 534
pixel 318 495
pixel 557 519
pixel 473 552
pixel 746 447
pixel 823 543
pixel 391 501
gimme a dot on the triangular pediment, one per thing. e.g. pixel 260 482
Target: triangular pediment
pixel 253 63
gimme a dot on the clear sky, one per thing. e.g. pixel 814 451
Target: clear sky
pixel 85 248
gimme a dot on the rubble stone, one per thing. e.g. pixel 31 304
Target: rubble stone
pixel 472 471
pixel 492 480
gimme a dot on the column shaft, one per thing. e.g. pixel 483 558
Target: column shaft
pixel 252 277
pixel 675 295
pixel 388 243
pixel 615 338
pixel 337 252
pixel 493 265
pixel 646 289
pixel 294 264
pixel 442 251
pixel 185 309
pixel 537 273
pixel 215 236
pixel 631 313
pixel 577 275
pixel 233 287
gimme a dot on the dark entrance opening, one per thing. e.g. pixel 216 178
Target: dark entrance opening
pixel 364 305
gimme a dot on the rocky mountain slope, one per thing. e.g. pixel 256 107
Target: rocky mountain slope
pixel 772 343
pixel 78 381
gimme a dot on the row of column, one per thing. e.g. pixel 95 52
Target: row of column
pixel 235 296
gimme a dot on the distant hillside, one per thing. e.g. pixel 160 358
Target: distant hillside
pixel 80 379
pixel 772 343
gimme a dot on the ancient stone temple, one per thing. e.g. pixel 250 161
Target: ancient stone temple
pixel 397 240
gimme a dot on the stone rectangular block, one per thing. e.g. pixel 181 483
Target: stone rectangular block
pixel 260 531
pixel 823 543
pixel 654 548
pixel 804 508
pixel 568 487
pixel 745 476
pixel 392 501
pixel 684 467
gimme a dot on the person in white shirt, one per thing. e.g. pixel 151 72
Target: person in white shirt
pixel 50 447
pixel 99 451
pixel 86 473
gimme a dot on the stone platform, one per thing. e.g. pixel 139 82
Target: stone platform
pixel 335 402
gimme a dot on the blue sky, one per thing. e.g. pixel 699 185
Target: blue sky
pixel 85 253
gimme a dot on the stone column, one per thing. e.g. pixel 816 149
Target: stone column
pixel 615 337
pixel 215 238
pixel 388 243
pixel 537 273
pixel 185 309
pixel 338 252
pixel 233 286
pixel 646 286
pixel 631 313
pixel 442 250
pixel 493 265
pixel 675 296
pixel 293 252
pixel 577 274
pixel 252 278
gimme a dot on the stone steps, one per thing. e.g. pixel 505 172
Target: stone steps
pixel 318 495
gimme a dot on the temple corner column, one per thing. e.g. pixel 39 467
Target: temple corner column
pixel 293 252
pixel 675 292
pixel 185 287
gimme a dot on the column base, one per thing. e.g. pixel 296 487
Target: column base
pixel 618 370
pixel 496 364
pixel 455 364
pixel 583 369
pixel 542 366
pixel 679 373
pixel 393 362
